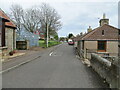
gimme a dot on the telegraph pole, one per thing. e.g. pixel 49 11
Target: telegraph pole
pixel 47 35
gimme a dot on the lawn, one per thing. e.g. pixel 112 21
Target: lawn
pixel 50 43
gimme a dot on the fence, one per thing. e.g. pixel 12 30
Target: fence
pixel 109 70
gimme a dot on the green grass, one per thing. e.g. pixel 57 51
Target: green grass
pixel 50 43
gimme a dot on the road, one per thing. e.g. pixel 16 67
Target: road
pixel 57 68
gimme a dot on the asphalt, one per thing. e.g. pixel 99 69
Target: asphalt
pixel 20 59
pixel 57 67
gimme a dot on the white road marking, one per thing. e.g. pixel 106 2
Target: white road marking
pixel 53 50
pixel 51 54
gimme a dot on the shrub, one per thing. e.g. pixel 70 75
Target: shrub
pixel 11 53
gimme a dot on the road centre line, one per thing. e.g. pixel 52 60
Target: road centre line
pixel 51 54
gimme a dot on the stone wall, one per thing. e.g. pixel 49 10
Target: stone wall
pixel 10 39
pixel 108 70
pixel 90 45
pixel 112 47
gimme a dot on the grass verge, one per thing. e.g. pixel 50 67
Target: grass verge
pixel 50 43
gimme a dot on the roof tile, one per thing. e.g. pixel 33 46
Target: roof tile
pixel 3 15
pixel 110 33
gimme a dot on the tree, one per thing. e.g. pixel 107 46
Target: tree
pixel 62 38
pixel 56 36
pixel 49 19
pixel 16 15
pixel 37 18
pixel 31 19
pixel 70 35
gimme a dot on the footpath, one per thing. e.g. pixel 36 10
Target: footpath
pixel 26 56
pixel 20 58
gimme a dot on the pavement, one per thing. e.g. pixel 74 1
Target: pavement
pixel 21 57
pixel 55 67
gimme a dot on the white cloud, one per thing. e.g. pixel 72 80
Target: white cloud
pixel 76 15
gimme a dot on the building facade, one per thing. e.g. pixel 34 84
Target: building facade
pixel 102 40
pixel 8 35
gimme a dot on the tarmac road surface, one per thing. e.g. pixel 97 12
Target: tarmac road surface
pixel 56 68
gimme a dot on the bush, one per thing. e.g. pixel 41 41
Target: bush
pixel 11 53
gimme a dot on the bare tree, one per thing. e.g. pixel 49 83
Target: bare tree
pixel 31 19
pixel 49 19
pixel 42 17
pixel 16 15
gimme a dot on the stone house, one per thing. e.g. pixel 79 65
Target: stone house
pixel 8 35
pixel 102 40
pixel 2 34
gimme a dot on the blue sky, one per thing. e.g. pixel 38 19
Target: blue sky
pixel 76 15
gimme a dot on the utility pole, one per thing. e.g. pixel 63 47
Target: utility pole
pixel 47 35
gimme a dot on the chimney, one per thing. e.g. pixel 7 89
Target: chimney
pixel 89 29
pixel 81 34
pixel 104 20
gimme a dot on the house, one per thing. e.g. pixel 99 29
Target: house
pixel 102 40
pixel 2 34
pixel 8 34
pixel 40 33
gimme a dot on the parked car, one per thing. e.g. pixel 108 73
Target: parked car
pixel 70 42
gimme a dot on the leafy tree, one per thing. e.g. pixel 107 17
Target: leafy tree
pixel 70 35
pixel 56 37
pixel 62 38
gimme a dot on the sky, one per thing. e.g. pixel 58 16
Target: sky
pixel 76 15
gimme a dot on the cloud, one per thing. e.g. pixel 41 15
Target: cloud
pixel 76 15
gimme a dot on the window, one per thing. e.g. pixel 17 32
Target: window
pixel 119 31
pixel 102 32
pixel 83 45
pixel 102 46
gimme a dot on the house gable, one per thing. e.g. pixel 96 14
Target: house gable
pixel 105 32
